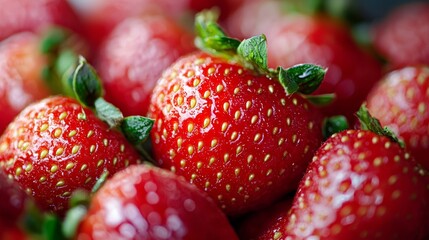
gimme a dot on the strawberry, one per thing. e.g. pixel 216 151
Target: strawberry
pixel 399 101
pixel 58 144
pixel 231 130
pixel 12 199
pixel 361 185
pixel 101 17
pixel 20 84
pixel 143 202
pixel 134 55
pixel 312 38
pixel 29 15
pixel 402 36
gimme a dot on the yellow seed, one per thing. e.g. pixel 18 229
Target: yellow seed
pixel 60 183
pixel 105 142
pixel 200 145
pixel 190 127
pixel 257 137
pixel 269 112
pixel 228 187
pixel 81 116
pixel 206 122
pixel 199 165
pixel 43 153
pixel 88 180
pixel 206 94
pixel 211 70
pixel 42 179
pixel 18 171
pixel 295 101
pixel 63 115
pixel 212 160
pixel 234 135
pixel 190 73
pixel 226 157
pixel 251 177
pixel 249 158
pixel 90 133
pixel 54 168
pixel 69 166
pixel 254 119
pixel 179 142
pixel 83 167
pixel 238 150
pixel 100 162
pixel 176 88
pixel 179 100
pixel 267 157
pixel 25 145
pixel 224 126
pixel 28 167
pixel 226 72
pixel 193 103
pixel 75 149
pixel 219 175
pixel 236 90
pixel 248 104
pixel 219 88
pixel 237 171
pixel 72 133
pixel 281 141
pixel 44 127
pixel 92 148
pixel 190 150
pixel 59 151
pixel 226 106
pixel 196 82
pixel 58 132
pixel 182 163
pixel 271 88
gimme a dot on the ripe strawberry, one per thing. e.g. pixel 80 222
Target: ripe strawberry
pixel 400 102
pixel 56 146
pixel 30 15
pixel 12 232
pixel 296 38
pixel 229 130
pixel 361 185
pixel 21 82
pixel 143 202
pixel 12 199
pixel 134 55
pixel 101 17
pixel 402 36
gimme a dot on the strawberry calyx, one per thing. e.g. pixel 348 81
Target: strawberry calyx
pixel 252 54
pixel 368 122
pixel 334 124
pixel 88 90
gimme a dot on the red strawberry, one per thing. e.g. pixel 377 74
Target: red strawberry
pixel 12 232
pixel 101 17
pixel 400 101
pixel 295 38
pixel 21 65
pixel 30 15
pixel 133 57
pixel 56 146
pixel 143 202
pixel 229 130
pixel 265 223
pixel 402 36
pixel 361 185
pixel 12 199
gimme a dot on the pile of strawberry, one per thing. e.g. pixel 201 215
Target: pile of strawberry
pixel 231 119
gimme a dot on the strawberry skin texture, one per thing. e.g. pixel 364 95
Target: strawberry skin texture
pixel 402 37
pixel 21 83
pixel 232 133
pixel 145 202
pixel 361 186
pixel 56 146
pixel 133 57
pixel 400 101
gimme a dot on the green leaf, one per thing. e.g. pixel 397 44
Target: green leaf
pixel 100 181
pixel 79 197
pixel 86 83
pixel 53 39
pixel 322 99
pixel 307 77
pixel 333 125
pixel 254 51
pixel 108 113
pixel 368 122
pixel 209 35
pixel 52 228
pixel 72 220
pixel 136 128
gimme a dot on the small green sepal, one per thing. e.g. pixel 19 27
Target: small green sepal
pixel 303 78
pixel 108 112
pixel 72 220
pixel 368 122
pixel 334 125
pixel 321 100
pixel 86 83
pixel 100 181
pixel 136 128
pixel 254 51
